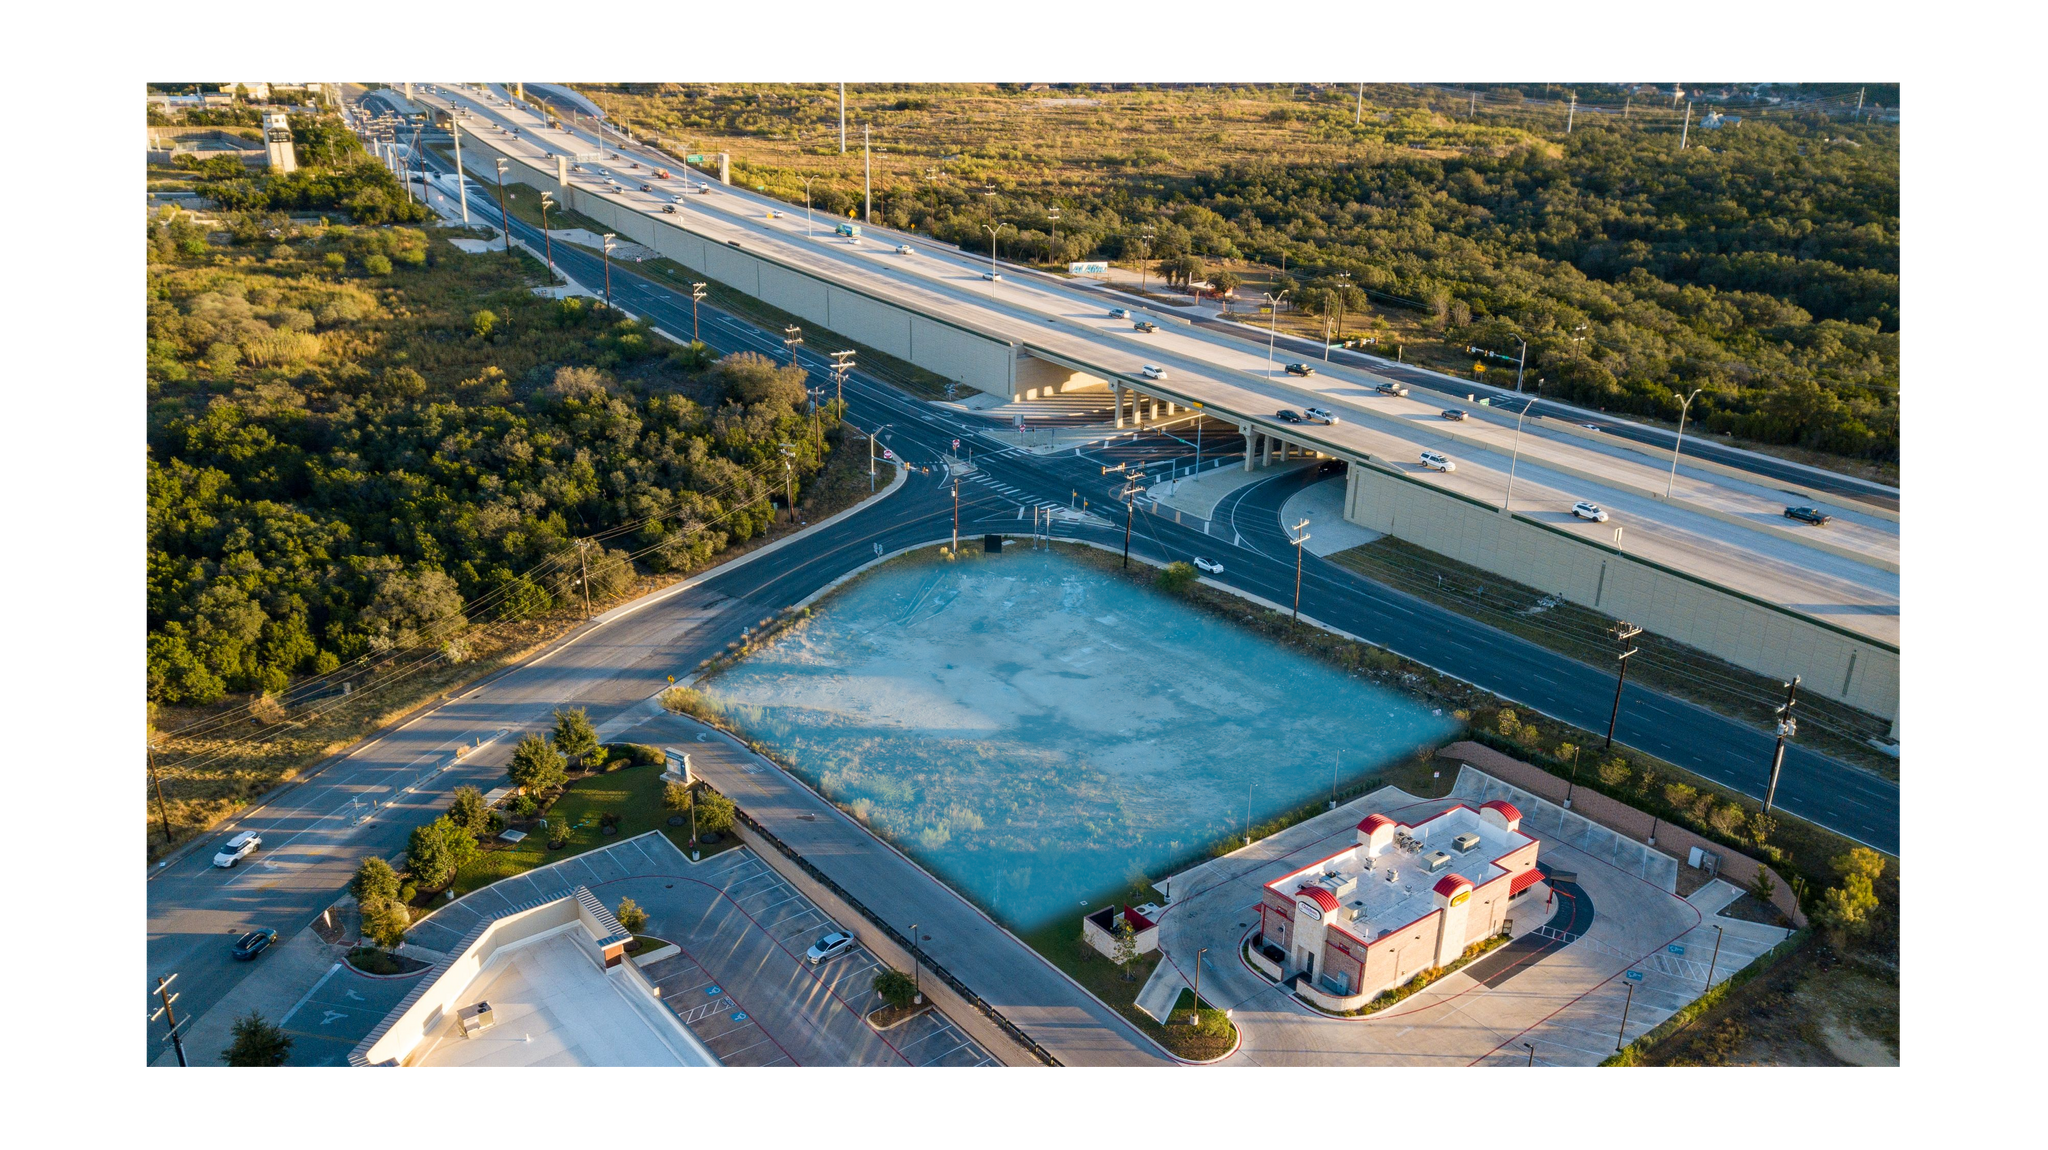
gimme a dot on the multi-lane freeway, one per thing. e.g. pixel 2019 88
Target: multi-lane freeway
pixel 316 831
pixel 1727 528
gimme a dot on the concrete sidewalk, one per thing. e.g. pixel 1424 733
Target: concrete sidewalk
pixel 1322 504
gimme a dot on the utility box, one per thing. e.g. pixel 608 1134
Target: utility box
pixel 476 1019
pixel 992 544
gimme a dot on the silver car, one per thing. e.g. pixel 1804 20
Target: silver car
pixel 830 946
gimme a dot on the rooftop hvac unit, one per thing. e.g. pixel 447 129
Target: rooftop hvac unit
pixel 1436 861
pixel 1465 842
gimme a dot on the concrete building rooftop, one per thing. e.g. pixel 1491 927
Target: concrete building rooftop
pixel 1380 890
pixel 555 1006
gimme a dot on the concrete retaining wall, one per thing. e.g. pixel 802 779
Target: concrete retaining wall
pixel 943 348
pixel 1618 832
pixel 1749 633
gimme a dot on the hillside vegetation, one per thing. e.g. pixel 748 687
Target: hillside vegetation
pixel 1760 263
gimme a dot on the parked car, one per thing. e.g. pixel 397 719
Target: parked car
pixel 1391 389
pixel 1153 371
pixel 237 848
pixel 1145 325
pixel 1209 566
pixel 1592 511
pixel 253 943
pixel 1319 415
pixel 1119 313
pixel 1288 415
pixel 1454 414
pixel 1438 461
pixel 1300 369
pixel 905 250
pixel 830 946
pixel 1813 515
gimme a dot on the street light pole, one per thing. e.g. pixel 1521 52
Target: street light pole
pixel 916 964
pixel 991 257
pixel 1144 254
pixel 1522 362
pixel 1272 325
pixel 1196 1021
pixel 807 204
pixel 1623 1032
pixel 1516 457
pixel 1054 251
pixel 1684 405
pixel 461 185
pixel 546 202
pixel 1300 535
pixel 1716 960
pixel 1248 812
pixel 608 245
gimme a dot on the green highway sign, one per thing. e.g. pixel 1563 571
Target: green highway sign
pixel 693 159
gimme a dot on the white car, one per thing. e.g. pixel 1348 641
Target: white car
pixel 1592 511
pixel 905 250
pixel 830 946
pixel 1153 371
pixel 991 275
pixel 1318 415
pixel 1119 313
pixel 1438 461
pixel 1209 566
pixel 238 848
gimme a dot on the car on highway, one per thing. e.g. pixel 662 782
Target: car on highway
pixel 1153 371
pixel 1438 461
pixel 905 250
pixel 830 946
pixel 1454 414
pixel 1288 415
pixel 1119 313
pixel 1208 566
pixel 1319 414
pixel 253 943
pixel 1590 426
pixel 1300 369
pixel 635 165
pixel 1391 389
pixel 732 243
pixel 1145 325
pixel 646 187
pixel 613 190
pixel 991 275
pixel 1592 511
pixel 237 848
pixel 1813 515
pixel 773 214
pixel 669 208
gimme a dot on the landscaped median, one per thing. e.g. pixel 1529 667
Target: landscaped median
pixel 1422 980
pixel 1214 1038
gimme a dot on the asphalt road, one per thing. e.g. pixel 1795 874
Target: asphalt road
pixel 315 832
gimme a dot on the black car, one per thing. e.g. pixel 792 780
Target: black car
pixel 1813 515
pixel 1289 416
pixel 1145 325
pixel 254 943
pixel 1300 369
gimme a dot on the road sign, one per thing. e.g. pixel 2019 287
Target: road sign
pixel 956 445
pixel 1676 948
pixel 697 159
pixel 1634 976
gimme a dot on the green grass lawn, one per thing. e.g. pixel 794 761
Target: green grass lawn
pixel 633 793
pixel 1061 944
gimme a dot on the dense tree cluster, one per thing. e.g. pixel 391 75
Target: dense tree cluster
pixel 345 463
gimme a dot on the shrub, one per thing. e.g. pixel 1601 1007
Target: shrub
pixel 407 893
pixel 1680 796
pixel 523 806
pixel 676 797
pixel 377 265
pixel 469 812
pixel 1176 577
pixel 896 988
pixel 537 766
pixel 1725 819
pixel 558 834
pixel 574 736
pixel 714 811
pixel 631 916
pixel 1614 772
pixel 257 1043
pixel 385 922
pixel 436 850
pixel 608 819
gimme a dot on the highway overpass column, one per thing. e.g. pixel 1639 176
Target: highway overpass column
pixel 562 178
pixel 1155 411
pixel 1265 450
pixel 1119 390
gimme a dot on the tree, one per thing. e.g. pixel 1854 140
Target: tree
pixel 756 380
pixel 896 988
pixel 537 766
pixel 469 812
pixel 676 797
pixel 483 322
pixel 385 921
pixel 714 811
pixel 631 916
pixel 257 1043
pixel 1126 938
pixel 574 736
pixel 374 879
pixel 436 850
pixel 1226 282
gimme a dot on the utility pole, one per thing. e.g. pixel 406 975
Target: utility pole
pixel 1859 106
pixel 1299 534
pixel 1626 101
pixel 1787 727
pixel 792 338
pixel 504 217
pixel 1571 114
pixel 1716 960
pixel 956 515
pixel 169 1016
pixel 842 118
pixel 867 177
pixel 608 245
pixel 1053 214
pixel 1358 117
pixel 1684 130
pixel 697 294
pixel 1623 1033
pixel 842 363
pixel 1130 497
pixel 1144 250
pixel 583 563
pixel 1623 632
pixel 461 185
pixel 163 812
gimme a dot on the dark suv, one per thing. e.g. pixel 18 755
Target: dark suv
pixel 1813 515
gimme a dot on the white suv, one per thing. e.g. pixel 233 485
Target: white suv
pixel 1437 461
pixel 238 848
pixel 1592 511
